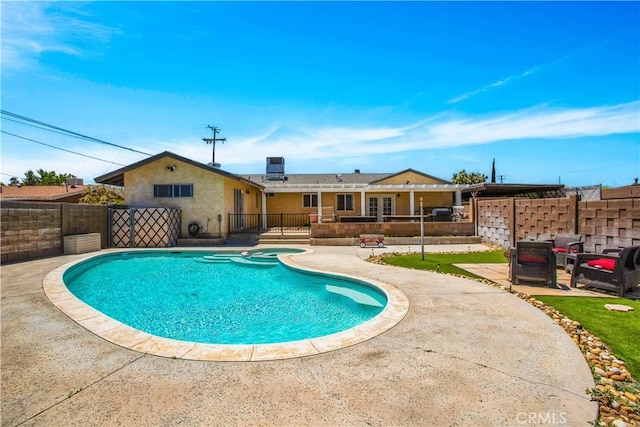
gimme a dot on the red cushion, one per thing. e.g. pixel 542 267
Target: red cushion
pixel 604 263
pixel 564 250
pixel 532 259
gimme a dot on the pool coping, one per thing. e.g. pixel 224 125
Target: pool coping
pixel 123 335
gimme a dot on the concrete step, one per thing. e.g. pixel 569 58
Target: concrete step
pixel 195 241
pixel 290 241
pixel 284 236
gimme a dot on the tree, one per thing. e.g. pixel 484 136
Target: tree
pixel 493 171
pixel 29 178
pixel 45 177
pixel 463 177
pixel 102 195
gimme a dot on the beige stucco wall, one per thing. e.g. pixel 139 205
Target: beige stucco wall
pixel 434 200
pixel 287 203
pixel 292 202
pixel 212 193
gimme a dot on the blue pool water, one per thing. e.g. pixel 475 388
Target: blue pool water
pixel 224 298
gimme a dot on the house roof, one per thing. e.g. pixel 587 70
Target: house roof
pixel 317 178
pixel 440 180
pixel 348 181
pixel 117 177
pixel 41 192
pixel 297 182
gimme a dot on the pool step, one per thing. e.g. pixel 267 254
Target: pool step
pixel 212 260
pixel 359 297
pixel 222 256
pixel 247 261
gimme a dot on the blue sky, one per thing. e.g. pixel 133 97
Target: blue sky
pixel 550 90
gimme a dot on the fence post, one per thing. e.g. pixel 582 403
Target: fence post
pixel 132 226
pixel 110 227
pixel 512 226
pixel 574 213
pixel 281 224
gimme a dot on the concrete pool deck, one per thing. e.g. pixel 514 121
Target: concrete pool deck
pixel 465 354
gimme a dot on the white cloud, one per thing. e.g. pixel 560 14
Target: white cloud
pixel 32 28
pixel 306 144
pixel 490 86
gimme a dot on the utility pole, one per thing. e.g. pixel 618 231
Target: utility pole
pixel 502 177
pixel 213 140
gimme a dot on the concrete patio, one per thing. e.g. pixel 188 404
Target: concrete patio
pixel 465 354
pixel 499 273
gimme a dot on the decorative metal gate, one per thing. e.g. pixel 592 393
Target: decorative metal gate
pixel 144 227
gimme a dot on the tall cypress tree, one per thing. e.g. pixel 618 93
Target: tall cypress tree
pixel 493 170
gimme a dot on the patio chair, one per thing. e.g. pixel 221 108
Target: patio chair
pixel 327 214
pixel 570 257
pixel 564 244
pixel 532 261
pixel 617 272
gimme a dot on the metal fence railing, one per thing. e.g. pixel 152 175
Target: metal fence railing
pixel 589 193
pixel 276 222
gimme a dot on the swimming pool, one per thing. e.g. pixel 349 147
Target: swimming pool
pixel 348 290
pixel 221 298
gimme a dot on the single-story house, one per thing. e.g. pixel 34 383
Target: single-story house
pixel 206 193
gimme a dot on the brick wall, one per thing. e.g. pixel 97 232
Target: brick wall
pixel 33 229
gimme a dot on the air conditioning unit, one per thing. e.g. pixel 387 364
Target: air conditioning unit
pixel 275 168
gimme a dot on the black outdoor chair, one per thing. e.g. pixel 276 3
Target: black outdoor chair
pixel 564 244
pixel 533 262
pixel 617 272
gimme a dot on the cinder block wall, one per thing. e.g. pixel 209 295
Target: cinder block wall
pixel 541 218
pixel 610 223
pixel 29 230
pixel 604 223
pixel 81 219
pixel 495 221
pixel 33 229
pixel 397 229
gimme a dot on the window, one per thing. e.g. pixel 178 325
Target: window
pixel 310 200
pixel 173 190
pixel 345 202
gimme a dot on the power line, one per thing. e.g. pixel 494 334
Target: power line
pixel 8 174
pixel 40 127
pixel 69 132
pixel 61 149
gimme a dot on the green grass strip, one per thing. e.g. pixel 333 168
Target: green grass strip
pixel 446 261
pixel 619 330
